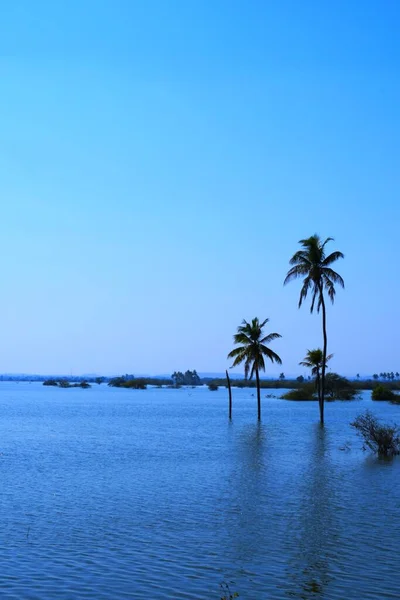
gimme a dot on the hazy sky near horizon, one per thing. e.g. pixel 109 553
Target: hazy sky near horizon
pixel 160 161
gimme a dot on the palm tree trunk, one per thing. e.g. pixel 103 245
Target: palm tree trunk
pixel 258 396
pixel 319 388
pixel 230 394
pixel 324 351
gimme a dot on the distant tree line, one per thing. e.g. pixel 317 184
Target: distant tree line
pixel 281 382
pixel 390 376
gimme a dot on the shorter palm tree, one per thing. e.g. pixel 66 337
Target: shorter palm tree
pixel 251 350
pixel 314 360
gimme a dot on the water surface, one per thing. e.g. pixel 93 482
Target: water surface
pixel 114 494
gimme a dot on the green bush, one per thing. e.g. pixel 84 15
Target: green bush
pixel 212 387
pixel 381 392
pixel 339 388
pixel 304 392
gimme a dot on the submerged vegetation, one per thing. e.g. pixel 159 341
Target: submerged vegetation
pixel 122 382
pixel 336 388
pixel 63 383
pixel 304 392
pixel 383 440
pixel 382 392
pixel 339 388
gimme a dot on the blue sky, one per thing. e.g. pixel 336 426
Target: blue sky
pixel 159 162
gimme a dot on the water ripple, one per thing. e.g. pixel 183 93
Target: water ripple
pixel 114 494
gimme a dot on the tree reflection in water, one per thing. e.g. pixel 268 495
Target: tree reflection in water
pixel 314 529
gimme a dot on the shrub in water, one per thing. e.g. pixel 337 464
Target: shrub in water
pixel 52 382
pixel 304 392
pixel 381 439
pixel 381 392
pixel 339 388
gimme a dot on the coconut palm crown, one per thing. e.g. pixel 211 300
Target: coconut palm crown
pixel 251 350
pixel 314 265
pixel 313 361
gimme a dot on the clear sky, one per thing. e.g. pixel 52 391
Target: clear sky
pixel 159 162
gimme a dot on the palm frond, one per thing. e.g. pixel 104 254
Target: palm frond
pixel 238 361
pixel 330 288
pixel 252 371
pixel 261 362
pixel 316 294
pixel 237 351
pixel 261 325
pixel 270 337
pixel 270 354
pixel 328 239
pixel 333 276
pixel 299 258
pixel 295 272
pixel 307 284
pixel 331 258
pixel 247 366
pixel 242 338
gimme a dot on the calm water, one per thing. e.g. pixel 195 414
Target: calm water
pixel 153 494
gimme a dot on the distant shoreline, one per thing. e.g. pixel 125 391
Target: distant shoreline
pixel 281 384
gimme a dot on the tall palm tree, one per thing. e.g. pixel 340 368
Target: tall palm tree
pixel 252 350
pixel 312 264
pixel 313 360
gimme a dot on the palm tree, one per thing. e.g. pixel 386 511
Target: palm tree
pixel 313 360
pixel 314 266
pixel 252 350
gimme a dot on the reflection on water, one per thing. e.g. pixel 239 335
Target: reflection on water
pixel 114 494
pixel 314 524
pixel 247 490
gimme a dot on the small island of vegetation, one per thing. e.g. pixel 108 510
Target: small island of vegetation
pixel 382 392
pixel 63 383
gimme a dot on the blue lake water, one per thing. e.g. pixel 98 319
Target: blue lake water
pixel 115 494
